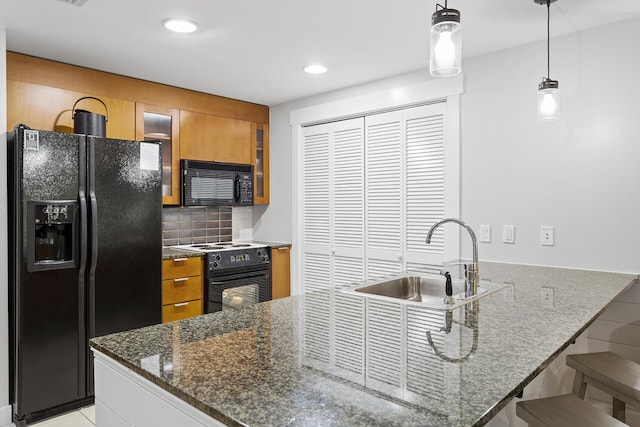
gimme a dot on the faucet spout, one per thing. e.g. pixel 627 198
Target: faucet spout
pixel 471 270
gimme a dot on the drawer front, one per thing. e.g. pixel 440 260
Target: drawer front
pixel 181 267
pixel 181 310
pixel 181 289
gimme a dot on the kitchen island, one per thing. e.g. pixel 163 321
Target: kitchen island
pixel 339 359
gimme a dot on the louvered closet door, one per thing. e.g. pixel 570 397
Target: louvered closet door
pixel 316 208
pixel 425 186
pixel 384 193
pixel 333 204
pixel 348 202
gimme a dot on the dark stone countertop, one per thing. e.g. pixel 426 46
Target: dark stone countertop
pixel 273 245
pixel 336 359
pixel 172 253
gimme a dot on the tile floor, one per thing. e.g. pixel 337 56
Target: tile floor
pixel 83 417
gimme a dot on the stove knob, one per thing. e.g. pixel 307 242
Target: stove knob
pixel 215 264
pixel 264 258
pixel 258 252
pixel 218 257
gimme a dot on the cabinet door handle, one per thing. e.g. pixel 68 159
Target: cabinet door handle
pixel 180 259
pixel 284 248
pixel 181 304
pixel 181 279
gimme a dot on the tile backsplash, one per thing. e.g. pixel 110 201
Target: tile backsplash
pixel 201 224
pixel 206 224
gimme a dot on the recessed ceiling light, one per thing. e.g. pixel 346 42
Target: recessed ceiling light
pixel 315 69
pixel 180 25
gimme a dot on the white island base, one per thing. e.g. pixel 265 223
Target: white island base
pixel 125 399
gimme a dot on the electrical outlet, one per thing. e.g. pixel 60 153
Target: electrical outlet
pixel 508 233
pixel 546 235
pixel 546 297
pixel 508 292
pixel 485 233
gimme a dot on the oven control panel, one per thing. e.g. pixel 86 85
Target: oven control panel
pixel 238 258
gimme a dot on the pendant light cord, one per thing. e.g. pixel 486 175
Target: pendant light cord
pixel 548 37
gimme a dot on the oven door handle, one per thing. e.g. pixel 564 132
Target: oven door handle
pixel 235 280
pixel 248 276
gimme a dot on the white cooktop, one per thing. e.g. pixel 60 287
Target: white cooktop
pixel 219 246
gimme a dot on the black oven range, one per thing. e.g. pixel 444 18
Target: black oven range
pixel 237 275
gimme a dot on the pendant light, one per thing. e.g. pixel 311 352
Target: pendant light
pixel 445 42
pixel 548 89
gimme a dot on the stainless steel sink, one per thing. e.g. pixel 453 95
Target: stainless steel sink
pixel 426 290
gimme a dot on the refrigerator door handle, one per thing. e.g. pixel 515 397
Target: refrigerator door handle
pixel 82 201
pixel 82 265
pixel 93 233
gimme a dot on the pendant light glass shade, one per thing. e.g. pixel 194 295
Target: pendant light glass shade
pixel 445 43
pixel 548 89
pixel 548 100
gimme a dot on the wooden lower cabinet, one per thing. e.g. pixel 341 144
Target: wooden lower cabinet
pixel 182 288
pixel 280 272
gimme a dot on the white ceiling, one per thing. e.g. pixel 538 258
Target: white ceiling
pixel 254 50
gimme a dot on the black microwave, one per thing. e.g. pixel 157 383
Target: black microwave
pixel 215 184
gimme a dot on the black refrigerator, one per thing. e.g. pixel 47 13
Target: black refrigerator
pixel 85 258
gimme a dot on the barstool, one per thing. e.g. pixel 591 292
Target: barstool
pixel 615 375
pixel 563 411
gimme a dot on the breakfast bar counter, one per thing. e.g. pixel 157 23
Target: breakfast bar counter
pixel 333 358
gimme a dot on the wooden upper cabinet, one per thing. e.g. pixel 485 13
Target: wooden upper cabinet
pixel 212 138
pixel 50 108
pixel 154 123
pixel 260 162
pixel 41 95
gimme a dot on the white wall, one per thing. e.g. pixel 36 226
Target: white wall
pixel 5 409
pixel 580 174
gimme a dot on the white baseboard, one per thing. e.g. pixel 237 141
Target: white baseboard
pixel 5 416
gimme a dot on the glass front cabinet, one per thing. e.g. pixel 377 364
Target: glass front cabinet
pixel 154 123
pixel 260 160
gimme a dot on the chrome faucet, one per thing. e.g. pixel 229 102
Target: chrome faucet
pixel 471 275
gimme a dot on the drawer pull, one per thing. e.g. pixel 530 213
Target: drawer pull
pixel 180 259
pixel 181 304
pixel 181 279
pixel 284 248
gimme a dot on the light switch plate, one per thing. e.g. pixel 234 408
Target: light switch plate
pixel 508 233
pixel 485 233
